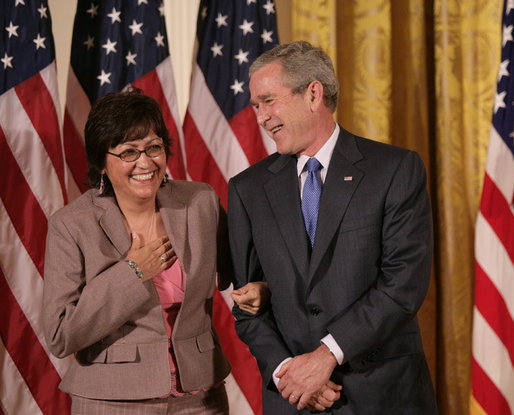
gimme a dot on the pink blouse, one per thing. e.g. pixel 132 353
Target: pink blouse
pixel 170 285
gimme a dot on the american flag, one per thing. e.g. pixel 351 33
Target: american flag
pixel 222 138
pixel 492 379
pixel 116 44
pixel 32 187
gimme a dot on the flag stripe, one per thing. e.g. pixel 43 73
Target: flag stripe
pixel 491 355
pixel 244 366
pixel 75 153
pixel 486 393
pixel 15 396
pixel 211 125
pixel 245 127
pixel 204 168
pixel 28 354
pixel 34 95
pixel 22 207
pixel 493 308
pixel 152 86
pixel 492 257
pixel 500 162
pixel 167 80
pixel 30 153
pixel 495 209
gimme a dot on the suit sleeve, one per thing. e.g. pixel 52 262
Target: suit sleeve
pixel 259 331
pixel 404 270
pixel 225 273
pixel 77 313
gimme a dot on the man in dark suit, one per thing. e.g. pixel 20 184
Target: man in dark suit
pixel 347 270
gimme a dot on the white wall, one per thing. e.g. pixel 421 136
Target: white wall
pixel 180 24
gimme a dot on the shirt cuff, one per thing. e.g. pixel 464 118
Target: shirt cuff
pixel 275 379
pixel 330 342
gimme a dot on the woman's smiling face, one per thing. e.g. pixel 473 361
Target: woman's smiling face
pixel 140 179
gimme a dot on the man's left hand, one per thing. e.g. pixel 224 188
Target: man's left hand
pixel 304 375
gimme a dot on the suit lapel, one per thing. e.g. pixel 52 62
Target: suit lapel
pixel 111 221
pixel 341 181
pixel 174 217
pixel 284 198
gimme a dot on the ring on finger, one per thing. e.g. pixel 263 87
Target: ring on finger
pixel 293 396
pixel 163 258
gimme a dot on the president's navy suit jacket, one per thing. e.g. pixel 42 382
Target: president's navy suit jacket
pixel 364 281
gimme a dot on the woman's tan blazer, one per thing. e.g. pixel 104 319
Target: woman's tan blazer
pixel 97 308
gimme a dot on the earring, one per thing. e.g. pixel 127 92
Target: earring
pixel 165 178
pixel 102 184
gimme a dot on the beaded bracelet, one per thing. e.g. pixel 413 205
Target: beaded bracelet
pixel 136 269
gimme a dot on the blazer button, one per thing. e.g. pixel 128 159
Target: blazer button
pixel 315 311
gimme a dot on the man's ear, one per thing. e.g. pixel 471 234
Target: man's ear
pixel 315 94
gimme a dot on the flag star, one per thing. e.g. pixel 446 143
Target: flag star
pixel 216 50
pixel 7 61
pixel 136 27
pixel 159 39
pixel 242 57
pixel 140 2
pixel 42 11
pixel 237 87
pixel 246 27
pixel 104 78
pixel 248 2
pixel 131 58
pixel 499 101
pixel 509 7
pixel 19 2
pixel 90 42
pixel 39 41
pixel 221 20
pixel 115 16
pixel 13 30
pixel 93 10
pixel 109 46
pixel 161 9
pixel 266 36
pixel 503 69
pixel 269 7
pixel 507 34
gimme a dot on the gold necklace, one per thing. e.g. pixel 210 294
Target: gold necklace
pixel 149 227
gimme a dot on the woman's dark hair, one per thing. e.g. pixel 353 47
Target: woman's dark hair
pixel 117 118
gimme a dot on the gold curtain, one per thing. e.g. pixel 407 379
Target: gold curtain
pixel 421 74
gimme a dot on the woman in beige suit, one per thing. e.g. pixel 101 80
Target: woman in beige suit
pixel 130 273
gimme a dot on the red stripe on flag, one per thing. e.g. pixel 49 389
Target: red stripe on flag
pixel 34 95
pixel 29 356
pixel 496 211
pixel 492 306
pixel 24 210
pixel 151 86
pixel 202 166
pixel 486 393
pixel 75 153
pixel 245 127
pixel 244 367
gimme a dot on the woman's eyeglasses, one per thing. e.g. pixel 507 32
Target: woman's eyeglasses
pixel 153 151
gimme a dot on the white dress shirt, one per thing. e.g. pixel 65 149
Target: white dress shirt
pixel 323 156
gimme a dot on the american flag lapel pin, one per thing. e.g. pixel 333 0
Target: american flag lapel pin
pixel 348 178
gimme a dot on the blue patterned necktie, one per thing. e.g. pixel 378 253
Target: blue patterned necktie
pixel 311 196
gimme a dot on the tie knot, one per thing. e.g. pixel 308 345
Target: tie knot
pixel 313 165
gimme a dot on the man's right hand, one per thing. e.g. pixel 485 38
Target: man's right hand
pixel 252 297
pixel 325 397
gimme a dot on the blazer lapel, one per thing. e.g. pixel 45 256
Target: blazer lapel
pixel 111 221
pixel 284 197
pixel 341 181
pixel 174 217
